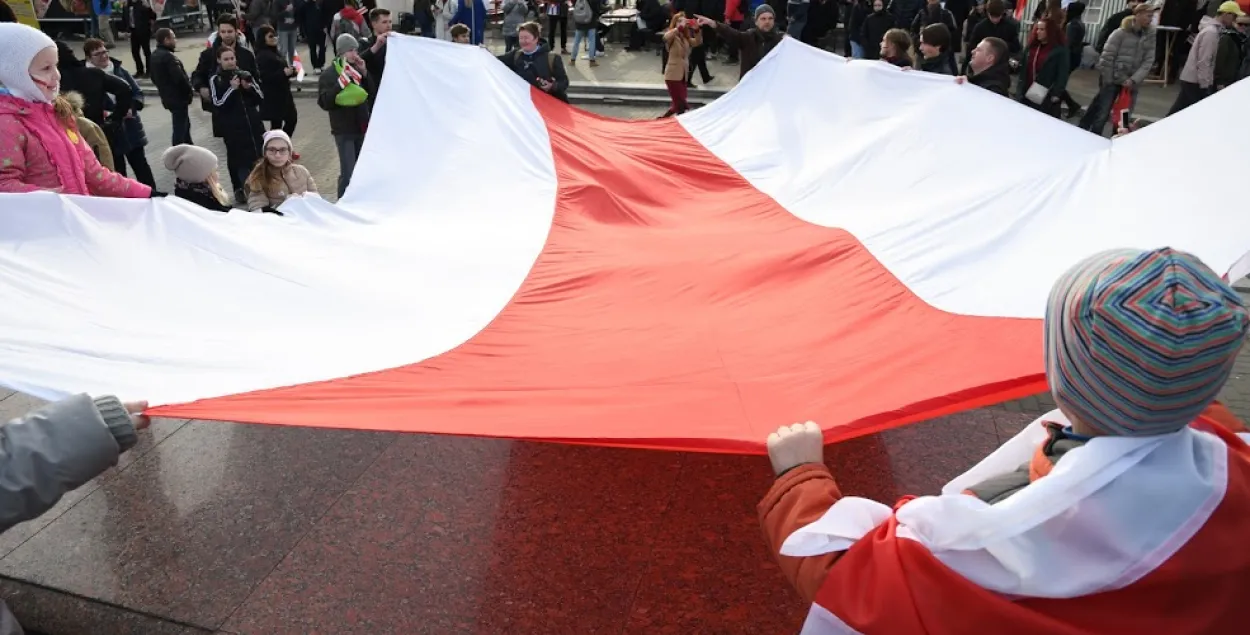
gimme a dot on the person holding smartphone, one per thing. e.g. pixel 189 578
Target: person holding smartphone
pixel 536 64
pixel 236 100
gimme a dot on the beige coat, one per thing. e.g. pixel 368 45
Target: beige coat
pixel 678 54
pixel 295 180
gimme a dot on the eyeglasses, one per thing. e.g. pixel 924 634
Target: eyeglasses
pixel 277 150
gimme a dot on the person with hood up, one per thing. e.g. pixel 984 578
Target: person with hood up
pixel 754 43
pixel 990 67
pixel 91 133
pixel 537 64
pixel 276 177
pixel 129 141
pixel 1126 59
pixel 876 25
pixel 935 55
pixel 344 94
pixel 43 149
pixel 1123 511
pixel 195 174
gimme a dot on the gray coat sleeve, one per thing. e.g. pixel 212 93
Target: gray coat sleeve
pixel 55 449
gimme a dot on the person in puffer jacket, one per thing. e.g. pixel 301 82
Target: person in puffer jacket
pixel 43 149
pixel 1125 61
pixel 56 449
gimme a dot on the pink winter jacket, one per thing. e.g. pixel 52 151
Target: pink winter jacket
pixel 28 165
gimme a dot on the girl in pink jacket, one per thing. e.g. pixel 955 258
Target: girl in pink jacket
pixel 40 147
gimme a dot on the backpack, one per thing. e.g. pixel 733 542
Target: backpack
pixel 582 14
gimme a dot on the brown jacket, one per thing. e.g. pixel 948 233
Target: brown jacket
pixel 678 54
pixel 296 180
pixel 97 141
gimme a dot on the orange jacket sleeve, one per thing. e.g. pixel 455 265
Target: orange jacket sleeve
pixel 798 498
pixel 1219 413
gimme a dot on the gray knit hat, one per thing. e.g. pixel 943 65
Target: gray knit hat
pixel 191 164
pixel 344 43
pixel 762 9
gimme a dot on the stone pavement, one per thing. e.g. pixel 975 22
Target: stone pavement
pixel 210 527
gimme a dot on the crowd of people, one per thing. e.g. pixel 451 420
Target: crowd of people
pixel 245 75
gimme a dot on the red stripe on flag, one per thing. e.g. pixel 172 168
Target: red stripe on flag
pixel 675 306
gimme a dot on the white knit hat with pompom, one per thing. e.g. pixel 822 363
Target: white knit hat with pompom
pixel 19 44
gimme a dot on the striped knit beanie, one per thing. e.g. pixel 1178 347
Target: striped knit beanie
pixel 1138 343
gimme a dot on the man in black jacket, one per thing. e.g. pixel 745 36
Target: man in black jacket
pixel 996 24
pixel 209 66
pixel 173 85
pixel 236 100
pixel 373 52
pixel 989 66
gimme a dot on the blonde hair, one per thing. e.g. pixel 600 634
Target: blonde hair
pixel 65 111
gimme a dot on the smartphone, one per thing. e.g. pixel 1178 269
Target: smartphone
pixel 1124 119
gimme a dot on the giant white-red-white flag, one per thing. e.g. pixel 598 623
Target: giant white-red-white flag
pixel 836 241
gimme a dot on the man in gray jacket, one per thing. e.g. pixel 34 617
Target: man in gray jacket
pixel 1125 62
pixel 55 449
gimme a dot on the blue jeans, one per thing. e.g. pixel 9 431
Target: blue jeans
pixel 181 123
pixel 348 146
pixel 796 13
pixel 857 50
pixel 426 21
pixel 589 34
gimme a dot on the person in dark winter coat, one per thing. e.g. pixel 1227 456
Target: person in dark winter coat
pixel 373 50
pixel 997 24
pixel 933 13
pixel 275 79
pixel 876 25
pixel 209 65
pixel 236 99
pixel 195 171
pixel 1045 63
pixel 128 142
pixel 536 64
pixel 338 93
pixel 142 19
pixel 1074 31
pixel 95 87
pixel 313 27
pixel 173 85
pixel 935 54
pixel 990 67
pixel 754 43
pixel 857 12
pixel 905 11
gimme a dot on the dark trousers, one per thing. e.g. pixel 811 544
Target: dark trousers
pixel 138 160
pixel 287 118
pixel 1099 110
pixel 141 43
pixel 181 123
pixel 698 60
pixel 316 46
pixel 561 23
pixel 241 156
pixel 733 50
pixel 1190 94
pixel 426 21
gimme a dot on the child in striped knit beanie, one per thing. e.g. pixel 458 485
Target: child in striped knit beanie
pixel 1124 511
